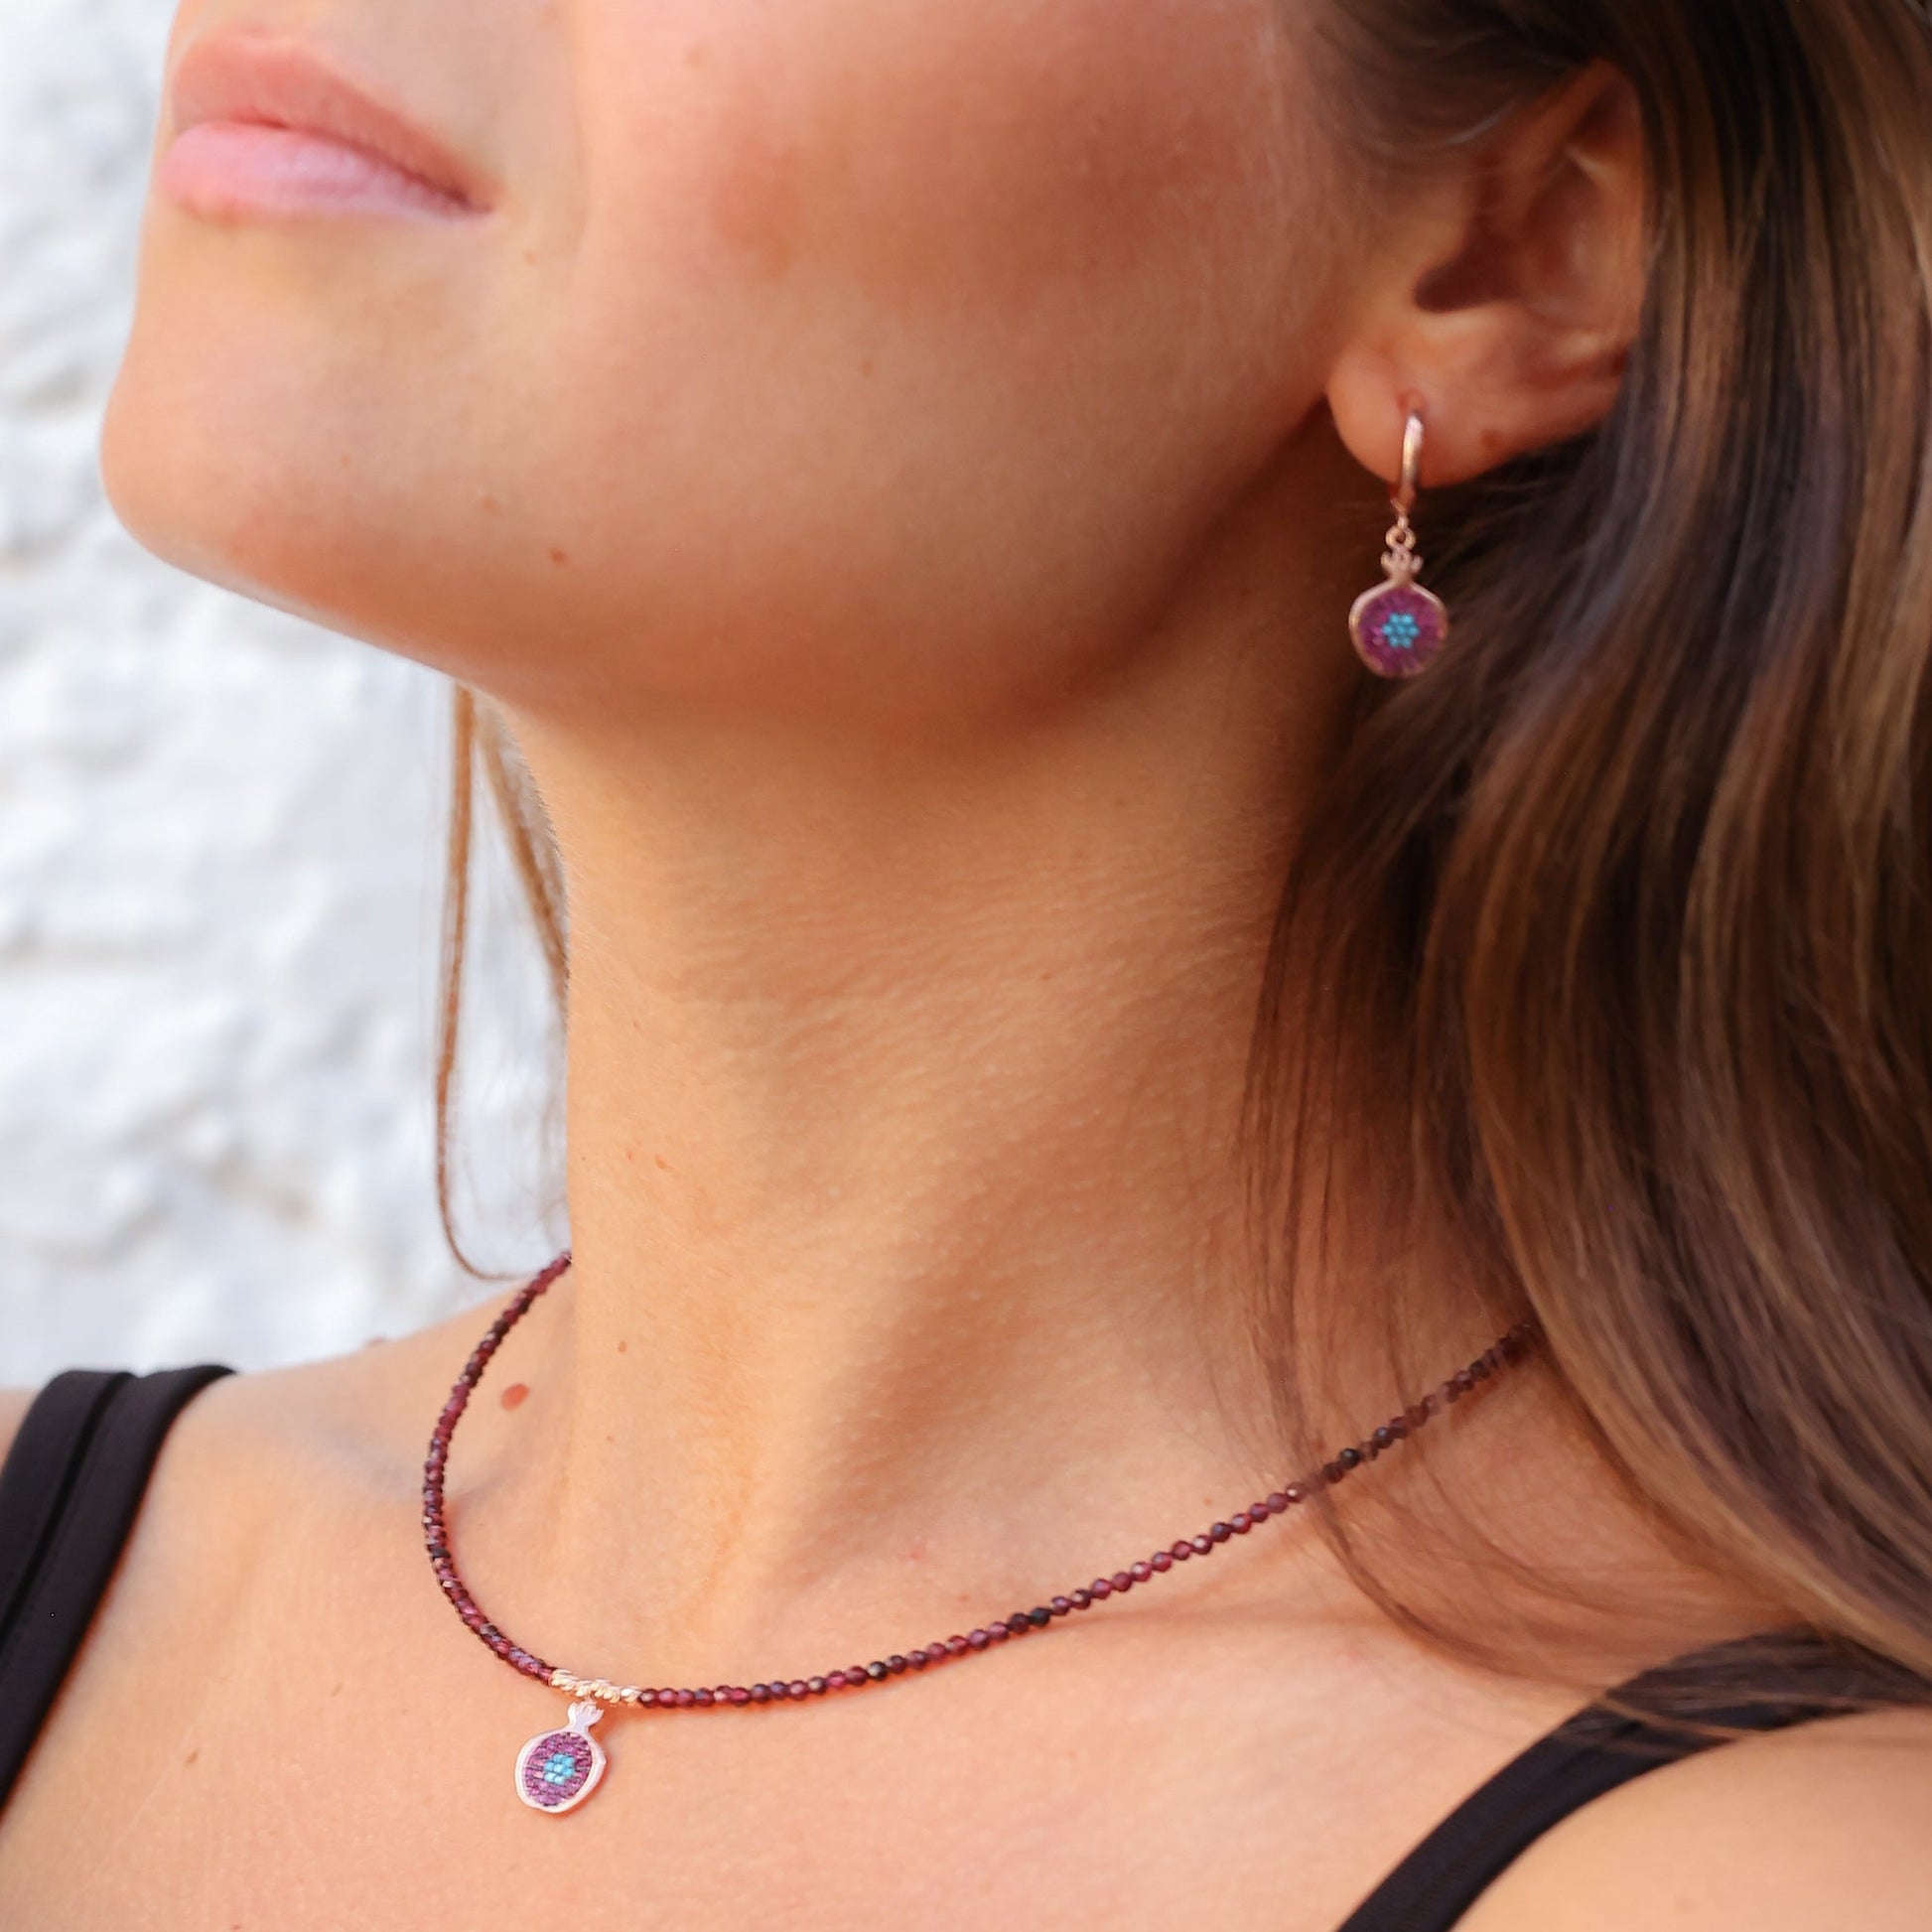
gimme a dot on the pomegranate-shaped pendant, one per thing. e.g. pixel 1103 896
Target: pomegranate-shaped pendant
pixel 560 1770
pixel 1398 627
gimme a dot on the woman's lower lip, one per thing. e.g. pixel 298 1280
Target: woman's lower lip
pixel 235 170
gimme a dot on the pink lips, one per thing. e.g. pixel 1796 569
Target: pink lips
pixel 266 128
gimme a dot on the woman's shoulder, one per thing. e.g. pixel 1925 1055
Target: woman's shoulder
pixel 1806 1829
pixel 14 1404
pixel 375 1396
pixel 234 1455
pixel 274 1537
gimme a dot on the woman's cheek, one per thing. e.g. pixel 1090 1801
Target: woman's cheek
pixel 937 157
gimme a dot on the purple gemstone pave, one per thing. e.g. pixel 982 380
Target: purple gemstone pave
pixel 1400 628
pixel 556 1768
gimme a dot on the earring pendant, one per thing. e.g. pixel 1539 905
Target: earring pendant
pixel 1399 627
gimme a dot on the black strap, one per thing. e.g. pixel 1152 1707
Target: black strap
pixel 1693 1705
pixel 69 1490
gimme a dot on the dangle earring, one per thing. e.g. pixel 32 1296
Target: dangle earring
pixel 1398 627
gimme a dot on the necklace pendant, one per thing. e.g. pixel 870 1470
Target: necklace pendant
pixel 559 1769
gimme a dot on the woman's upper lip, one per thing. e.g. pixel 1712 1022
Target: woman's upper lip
pixel 273 83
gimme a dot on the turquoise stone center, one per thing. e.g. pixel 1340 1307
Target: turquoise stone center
pixel 1401 631
pixel 559 1768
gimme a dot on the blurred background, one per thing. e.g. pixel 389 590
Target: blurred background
pixel 221 865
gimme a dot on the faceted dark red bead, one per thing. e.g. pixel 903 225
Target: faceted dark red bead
pixel 1513 1346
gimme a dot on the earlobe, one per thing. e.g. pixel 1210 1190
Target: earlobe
pixel 1513 336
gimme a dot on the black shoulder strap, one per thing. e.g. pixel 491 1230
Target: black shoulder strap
pixel 1761 1684
pixel 69 1490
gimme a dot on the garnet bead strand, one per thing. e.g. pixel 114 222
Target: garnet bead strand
pixel 1511 1349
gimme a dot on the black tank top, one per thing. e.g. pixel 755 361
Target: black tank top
pixel 72 1482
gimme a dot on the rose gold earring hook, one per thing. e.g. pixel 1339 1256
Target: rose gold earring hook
pixel 1410 487
pixel 1399 627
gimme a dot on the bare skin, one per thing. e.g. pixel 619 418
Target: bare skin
pixel 902 472
pixel 1248 1746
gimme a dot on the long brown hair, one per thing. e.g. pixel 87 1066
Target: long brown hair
pixel 479 743
pixel 1621 918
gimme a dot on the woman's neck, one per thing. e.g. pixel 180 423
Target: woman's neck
pixel 903 1078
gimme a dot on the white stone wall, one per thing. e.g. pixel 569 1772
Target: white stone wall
pixel 220 859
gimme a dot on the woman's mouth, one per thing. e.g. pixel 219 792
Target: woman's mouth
pixel 265 127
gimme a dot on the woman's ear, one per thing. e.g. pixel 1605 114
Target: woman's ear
pixel 1506 314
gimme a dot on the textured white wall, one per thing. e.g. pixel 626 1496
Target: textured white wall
pixel 219 859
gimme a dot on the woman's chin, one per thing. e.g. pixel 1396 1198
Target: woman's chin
pixel 175 491
pixel 232 486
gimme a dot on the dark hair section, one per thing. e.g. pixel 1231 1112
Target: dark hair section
pixel 1616 928
pixel 1619 925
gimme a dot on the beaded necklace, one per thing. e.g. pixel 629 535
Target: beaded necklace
pixel 558 1770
